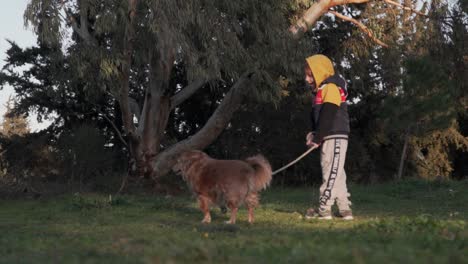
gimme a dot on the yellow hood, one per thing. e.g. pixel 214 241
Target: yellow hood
pixel 321 67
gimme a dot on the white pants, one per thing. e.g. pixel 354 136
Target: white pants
pixel 333 188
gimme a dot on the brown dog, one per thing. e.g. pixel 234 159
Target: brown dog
pixel 224 182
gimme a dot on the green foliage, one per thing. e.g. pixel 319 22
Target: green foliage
pixel 434 153
pixel 83 155
pixel 414 88
pixel 427 100
pixel 429 103
pixel 26 161
pixel 217 40
pixel 409 222
pixel 417 85
pixel 53 87
pixel 48 30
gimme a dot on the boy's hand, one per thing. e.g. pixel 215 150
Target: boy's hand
pixel 309 138
pixel 313 145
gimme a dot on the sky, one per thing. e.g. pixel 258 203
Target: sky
pixel 12 28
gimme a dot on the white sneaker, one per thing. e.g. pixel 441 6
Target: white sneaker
pixel 312 213
pixel 346 215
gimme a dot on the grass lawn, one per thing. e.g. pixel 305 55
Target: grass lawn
pixel 408 222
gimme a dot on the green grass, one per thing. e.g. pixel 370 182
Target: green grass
pixel 408 222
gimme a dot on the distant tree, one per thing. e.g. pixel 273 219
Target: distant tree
pixel 48 82
pixel 432 96
pixel 13 124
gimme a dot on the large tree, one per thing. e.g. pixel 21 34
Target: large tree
pixel 131 49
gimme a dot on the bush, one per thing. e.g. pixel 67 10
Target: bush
pixel 25 161
pixel 84 157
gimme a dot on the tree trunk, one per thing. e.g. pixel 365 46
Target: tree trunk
pixel 403 157
pixel 156 108
pixel 123 97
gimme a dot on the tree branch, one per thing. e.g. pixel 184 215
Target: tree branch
pixel 116 129
pixel 82 30
pixel 390 2
pixel 360 26
pixel 345 2
pixel 210 131
pixel 84 23
pixel 186 92
pixel 319 8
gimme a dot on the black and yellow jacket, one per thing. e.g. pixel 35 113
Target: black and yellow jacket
pixel 330 110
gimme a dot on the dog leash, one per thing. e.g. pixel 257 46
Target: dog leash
pixel 294 161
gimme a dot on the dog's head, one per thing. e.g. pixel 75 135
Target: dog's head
pixel 186 160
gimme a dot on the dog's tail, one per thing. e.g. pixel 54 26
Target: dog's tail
pixel 263 172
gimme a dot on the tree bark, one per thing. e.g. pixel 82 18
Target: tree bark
pixel 156 108
pixel 123 96
pixel 403 157
pixel 185 93
pixel 124 101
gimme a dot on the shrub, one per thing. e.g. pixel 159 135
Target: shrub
pixel 84 156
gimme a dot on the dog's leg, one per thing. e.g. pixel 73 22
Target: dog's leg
pixel 204 203
pixel 251 214
pixel 251 202
pixel 233 209
pixel 233 216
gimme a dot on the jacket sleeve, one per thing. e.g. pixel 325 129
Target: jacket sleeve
pixel 312 120
pixel 327 115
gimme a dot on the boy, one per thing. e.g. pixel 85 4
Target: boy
pixel 330 130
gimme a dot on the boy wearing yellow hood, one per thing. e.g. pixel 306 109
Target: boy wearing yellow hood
pixel 330 130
